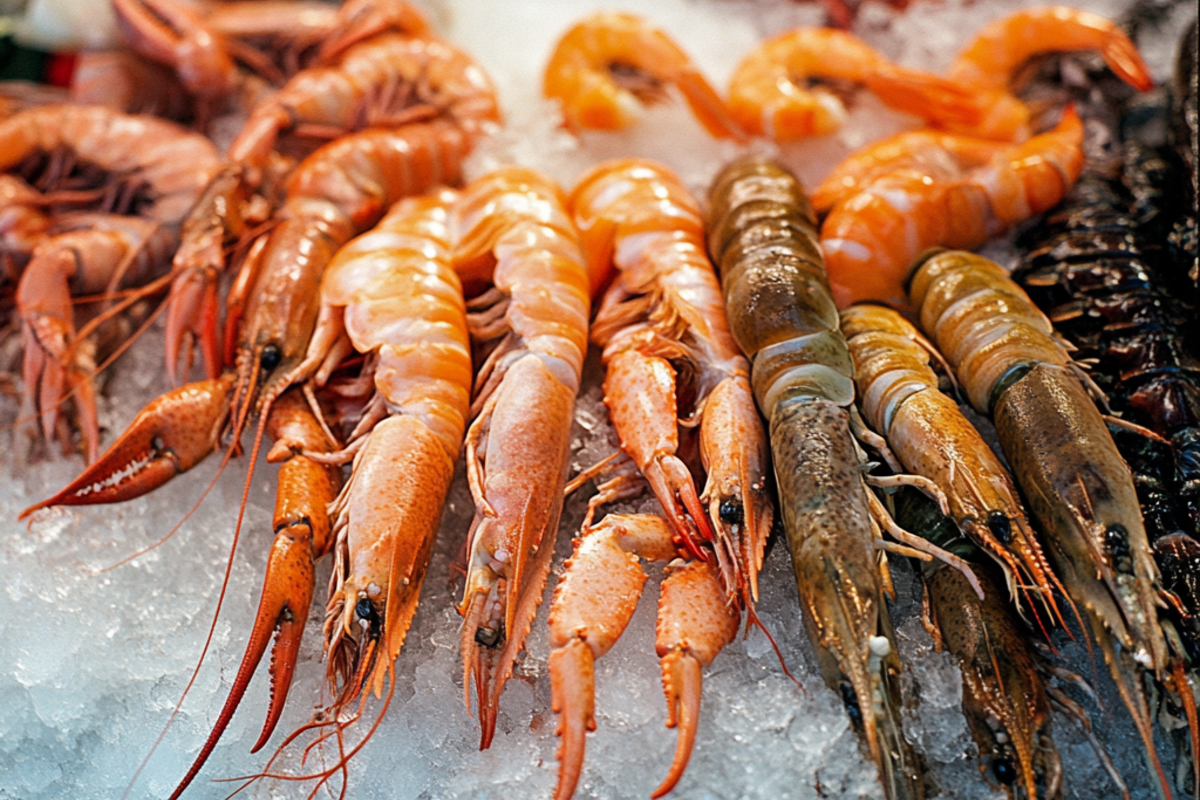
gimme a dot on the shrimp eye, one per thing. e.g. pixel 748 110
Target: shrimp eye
pixel 850 699
pixel 1116 539
pixel 1004 771
pixel 488 637
pixel 366 611
pixel 1000 526
pixel 270 358
pixel 731 512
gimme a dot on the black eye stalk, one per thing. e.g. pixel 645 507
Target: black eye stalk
pixel 270 358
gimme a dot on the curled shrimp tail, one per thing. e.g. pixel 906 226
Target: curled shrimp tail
pixel 925 95
pixel 1123 58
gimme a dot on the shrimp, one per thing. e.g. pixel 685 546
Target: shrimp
pixel 871 238
pixel 762 235
pixel 1079 489
pixel 203 46
pixel 612 62
pixel 929 435
pixel 152 168
pixel 128 82
pixel 1004 698
pixel 776 90
pixel 513 230
pixel 662 323
pixel 989 63
pixel 593 603
pixel 174 33
pixel 384 81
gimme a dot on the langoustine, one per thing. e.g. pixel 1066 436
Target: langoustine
pixel 383 523
pixel 130 165
pixel 340 190
pixel 663 329
pixel 513 232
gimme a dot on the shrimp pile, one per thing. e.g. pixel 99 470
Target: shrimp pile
pixel 383 309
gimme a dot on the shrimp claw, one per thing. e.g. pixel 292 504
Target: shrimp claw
pixel 169 436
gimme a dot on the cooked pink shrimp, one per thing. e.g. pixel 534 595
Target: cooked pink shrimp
pixel 608 65
pixel 776 91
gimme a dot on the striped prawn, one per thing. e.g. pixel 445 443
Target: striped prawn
pixel 1079 489
pixel 513 232
pixel 762 235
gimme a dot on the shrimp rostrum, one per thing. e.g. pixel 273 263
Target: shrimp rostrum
pixel 763 237
pixel 1079 489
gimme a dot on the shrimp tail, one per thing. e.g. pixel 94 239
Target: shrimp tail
pixel 1123 58
pixel 924 94
pixel 707 106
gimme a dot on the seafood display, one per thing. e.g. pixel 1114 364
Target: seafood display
pixel 477 362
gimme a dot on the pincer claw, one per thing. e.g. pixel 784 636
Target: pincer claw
pixel 169 436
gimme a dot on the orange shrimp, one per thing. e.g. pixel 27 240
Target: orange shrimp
pixel 339 191
pixel 393 293
pixel 776 90
pixel 871 238
pixel 662 322
pixel 990 61
pixel 384 81
pixel 83 254
pixel 515 232
pixel 203 45
pixel 609 64
pixel 402 78
pixel 594 602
